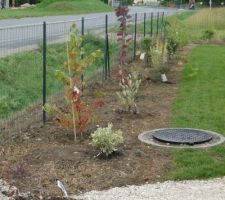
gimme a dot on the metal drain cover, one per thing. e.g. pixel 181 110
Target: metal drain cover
pixel 182 136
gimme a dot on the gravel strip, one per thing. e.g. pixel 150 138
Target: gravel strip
pixel 213 189
pixel 4 188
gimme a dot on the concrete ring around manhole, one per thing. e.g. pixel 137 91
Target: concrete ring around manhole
pixel 151 137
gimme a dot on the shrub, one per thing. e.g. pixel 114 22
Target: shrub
pixel 176 32
pixel 172 46
pixel 159 60
pixel 107 140
pixel 147 44
pixel 159 55
pixel 207 34
pixel 128 93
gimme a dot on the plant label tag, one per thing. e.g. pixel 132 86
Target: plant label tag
pixel 142 56
pixel 164 78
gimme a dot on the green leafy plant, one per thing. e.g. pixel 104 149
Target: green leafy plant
pixel 208 34
pixel 107 140
pixel 147 44
pixel 159 60
pixel 78 113
pixel 159 55
pixel 172 46
pixel 176 35
pixel 129 91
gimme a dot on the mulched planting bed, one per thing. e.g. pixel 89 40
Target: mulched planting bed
pixel 49 152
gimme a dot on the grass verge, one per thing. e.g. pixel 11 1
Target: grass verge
pixel 53 7
pixel 200 104
pixel 21 74
pixel 197 23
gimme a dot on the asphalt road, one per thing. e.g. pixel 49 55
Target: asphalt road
pixel 23 34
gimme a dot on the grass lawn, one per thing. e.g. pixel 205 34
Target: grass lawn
pixel 54 7
pixel 201 104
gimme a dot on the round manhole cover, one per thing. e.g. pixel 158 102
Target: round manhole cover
pixel 182 136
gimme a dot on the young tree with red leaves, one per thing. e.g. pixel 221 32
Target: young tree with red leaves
pixel 79 113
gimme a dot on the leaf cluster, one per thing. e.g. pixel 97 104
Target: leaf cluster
pixel 129 91
pixel 107 140
pixel 147 45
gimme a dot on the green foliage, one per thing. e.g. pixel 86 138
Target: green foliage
pixel 130 2
pixel 147 45
pixel 159 60
pixel 159 55
pixel 129 92
pixel 208 34
pixel 105 1
pixel 107 140
pixel 172 46
pixel 176 34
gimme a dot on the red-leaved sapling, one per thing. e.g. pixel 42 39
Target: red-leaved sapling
pixel 79 114
pixel 129 81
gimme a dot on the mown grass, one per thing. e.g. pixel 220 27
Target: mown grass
pixel 21 74
pixel 200 104
pixel 54 7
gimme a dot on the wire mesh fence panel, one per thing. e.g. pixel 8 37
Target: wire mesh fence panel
pixel 95 39
pixel 57 36
pixel 21 75
pixel 23 55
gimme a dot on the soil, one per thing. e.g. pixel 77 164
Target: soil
pixel 41 154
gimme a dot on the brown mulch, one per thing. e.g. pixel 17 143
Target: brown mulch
pixel 49 152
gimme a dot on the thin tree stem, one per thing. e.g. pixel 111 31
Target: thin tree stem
pixel 71 87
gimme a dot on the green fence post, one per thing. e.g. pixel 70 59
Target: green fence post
pixel 105 65
pixel 108 58
pixel 44 69
pixel 82 33
pixel 151 23
pixel 162 25
pixel 144 23
pixel 157 26
pixel 107 46
pixel 105 59
pixel 135 36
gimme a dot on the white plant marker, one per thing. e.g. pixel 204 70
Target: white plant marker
pixel 164 78
pixel 61 186
pixel 142 56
